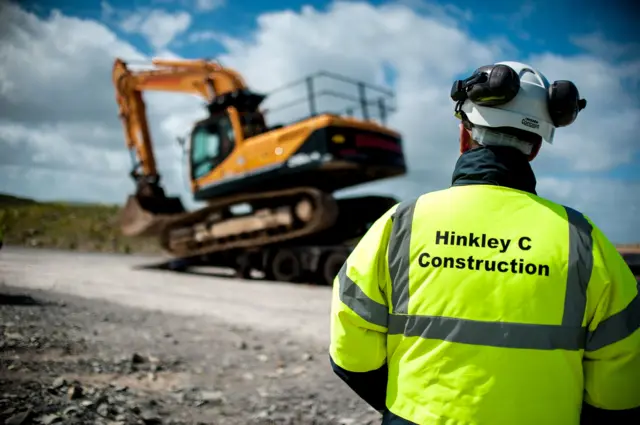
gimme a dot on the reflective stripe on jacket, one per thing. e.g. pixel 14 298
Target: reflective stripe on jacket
pixel 489 305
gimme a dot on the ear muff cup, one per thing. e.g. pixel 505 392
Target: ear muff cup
pixel 563 102
pixel 499 84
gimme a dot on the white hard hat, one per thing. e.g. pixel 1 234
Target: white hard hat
pixel 517 96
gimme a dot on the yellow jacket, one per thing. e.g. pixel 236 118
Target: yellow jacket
pixel 486 304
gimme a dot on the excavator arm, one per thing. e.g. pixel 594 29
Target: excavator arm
pixel 149 208
pixel 206 79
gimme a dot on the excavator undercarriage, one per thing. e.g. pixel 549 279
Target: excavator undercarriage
pixel 275 217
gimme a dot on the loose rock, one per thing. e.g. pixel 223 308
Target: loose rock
pixel 56 366
pixel 212 397
pixel 50 419
pixel 20 418
pixel 58 383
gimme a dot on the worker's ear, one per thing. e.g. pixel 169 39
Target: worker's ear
pixel 465 139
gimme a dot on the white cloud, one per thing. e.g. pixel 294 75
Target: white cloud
pixel 60 123
pixel 199 36
pixel 447 13
pixel 107 10
pixel 597 44
pixel 74 100
pixel 158 26
pixel 209 5
pixel 613 205
pixel 605 132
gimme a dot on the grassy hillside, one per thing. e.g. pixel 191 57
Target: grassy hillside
pixel 82 227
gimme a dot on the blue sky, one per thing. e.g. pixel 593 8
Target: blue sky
pixel 594 164
pixel 538 24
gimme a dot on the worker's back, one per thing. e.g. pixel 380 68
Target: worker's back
pixel 484 304
pixel 488 314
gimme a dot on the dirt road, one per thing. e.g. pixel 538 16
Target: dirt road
pixel 301 309
pixel 99 339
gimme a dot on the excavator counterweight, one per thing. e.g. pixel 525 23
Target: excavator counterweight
pixel 284 175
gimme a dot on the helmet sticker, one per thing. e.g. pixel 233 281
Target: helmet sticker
pixel 530 122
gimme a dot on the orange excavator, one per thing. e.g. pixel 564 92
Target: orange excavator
pixel 284 175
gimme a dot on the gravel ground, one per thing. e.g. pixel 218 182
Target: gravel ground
pixel 72 360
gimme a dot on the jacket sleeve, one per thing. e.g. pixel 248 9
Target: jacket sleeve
pixel 612 353
pixel 359 314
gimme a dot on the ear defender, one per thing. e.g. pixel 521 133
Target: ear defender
pixel 490 85
pixel 500 86
pixel 494 85
pixel 564 103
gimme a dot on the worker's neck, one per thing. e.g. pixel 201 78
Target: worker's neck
pixel 497 165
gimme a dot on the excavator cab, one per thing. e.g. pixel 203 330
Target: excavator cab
pixel 212 141
pixel 233 117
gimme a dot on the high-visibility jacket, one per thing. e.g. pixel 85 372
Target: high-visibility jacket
pixel 489 305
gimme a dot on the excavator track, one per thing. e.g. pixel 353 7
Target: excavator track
pixel 276 216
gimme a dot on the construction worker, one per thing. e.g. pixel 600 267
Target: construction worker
pixel 484 303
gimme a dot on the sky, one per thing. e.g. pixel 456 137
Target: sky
pixel 61 139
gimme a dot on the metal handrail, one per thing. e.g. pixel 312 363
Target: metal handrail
pixel 319 94
pixel 380 101
pixel 335 77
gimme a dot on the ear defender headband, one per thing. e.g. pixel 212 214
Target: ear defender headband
pixel 494 85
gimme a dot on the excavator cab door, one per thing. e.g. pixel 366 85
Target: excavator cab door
pixel 212 142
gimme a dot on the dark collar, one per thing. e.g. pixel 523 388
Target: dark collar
pixel 496 165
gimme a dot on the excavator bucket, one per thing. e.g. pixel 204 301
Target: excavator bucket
pixel 147 216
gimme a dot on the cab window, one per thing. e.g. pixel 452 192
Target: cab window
pixel 205 150
pixel 212 141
